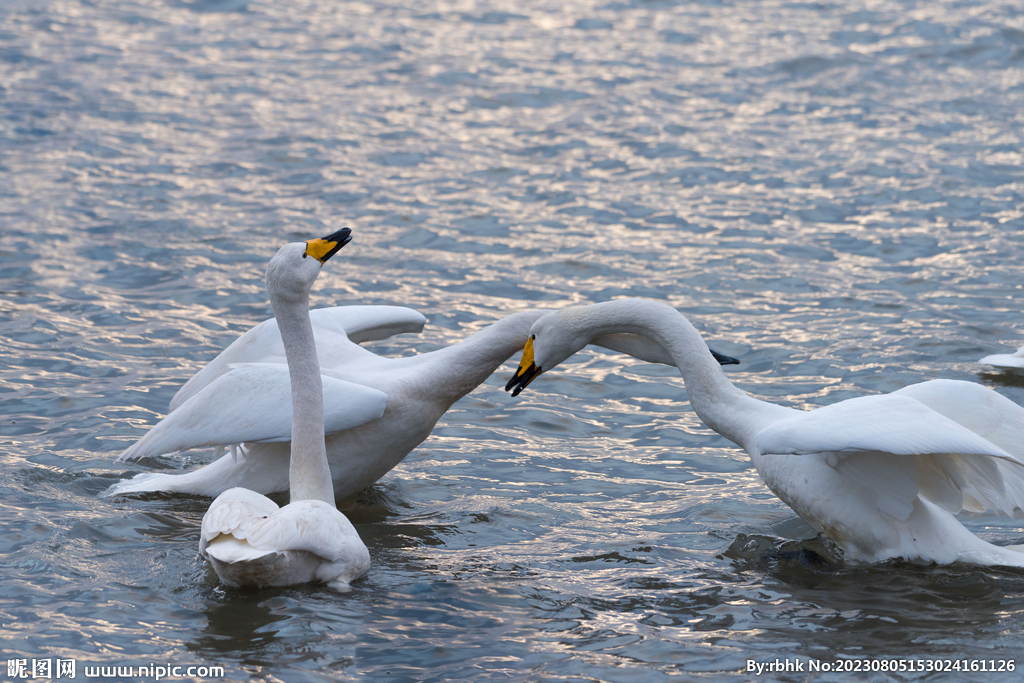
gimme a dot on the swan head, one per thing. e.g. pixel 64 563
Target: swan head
pixel 553 338
pixel 292 271
pixel 559 334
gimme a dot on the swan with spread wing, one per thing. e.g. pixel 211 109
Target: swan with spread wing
pixel 882 476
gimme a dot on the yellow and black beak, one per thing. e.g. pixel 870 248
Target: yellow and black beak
pixel 324 248
pixel 527 371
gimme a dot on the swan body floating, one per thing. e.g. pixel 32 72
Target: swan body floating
pixel 882 476
pixel 246 537
pixel 1006 361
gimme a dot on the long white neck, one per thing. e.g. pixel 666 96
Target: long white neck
pixel 719 404
pixel 458 369
pixel 309 474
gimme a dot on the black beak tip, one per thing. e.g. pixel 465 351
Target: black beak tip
pixel 723 359
pixel 521 379
pixel 342 237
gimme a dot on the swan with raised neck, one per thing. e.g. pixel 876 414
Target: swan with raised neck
pixel 248 540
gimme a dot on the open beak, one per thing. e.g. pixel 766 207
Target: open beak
pixel 526 372
pixel 324 248
pixel 723 359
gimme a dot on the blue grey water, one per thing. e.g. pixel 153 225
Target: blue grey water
pixel 832 191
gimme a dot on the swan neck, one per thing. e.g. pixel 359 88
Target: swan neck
pixel 719 404
pixel 309 475
pixel 460 368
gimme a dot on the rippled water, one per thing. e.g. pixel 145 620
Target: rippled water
pixel 833 192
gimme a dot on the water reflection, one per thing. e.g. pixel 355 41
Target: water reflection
pixel 1006 378
pixel 880 607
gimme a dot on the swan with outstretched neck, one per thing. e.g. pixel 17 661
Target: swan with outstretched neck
pixel 882 476
pixel 246 537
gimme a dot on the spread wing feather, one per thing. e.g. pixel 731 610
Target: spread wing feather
pixel 901 447
pixel 252 402
pixel 337 332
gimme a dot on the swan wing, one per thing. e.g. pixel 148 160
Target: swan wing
pixel 985 412
pixel 337 331
pixel 252 402
pixel 892 423
pixel 901 447
pixel 368 323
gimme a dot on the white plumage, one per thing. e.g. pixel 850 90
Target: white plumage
pixel 252 402
pixel 250 541
pixel 882 476
pixel 377 409
pixel 370 427
pixel 246 537
pixel 1006 361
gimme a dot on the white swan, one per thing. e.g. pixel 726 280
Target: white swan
pixel 1006 361
pixel 248 405
pixel 247 539
pixel 882 476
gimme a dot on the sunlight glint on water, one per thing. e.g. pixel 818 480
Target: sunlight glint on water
pixel 832 192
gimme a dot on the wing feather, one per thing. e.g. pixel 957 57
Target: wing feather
pixel 309 525
pixel 253 403
pixel 902 447
pixel 232 513
pixel 337 332
pixel 891 423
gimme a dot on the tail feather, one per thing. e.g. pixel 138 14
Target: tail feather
pixel 262 468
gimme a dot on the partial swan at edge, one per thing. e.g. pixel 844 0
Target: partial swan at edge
pixel 1005 361
pixel 882 476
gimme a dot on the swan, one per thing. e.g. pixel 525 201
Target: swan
pixel 245 536
pixel 240 400
pixel 1006 361
pixel 882 476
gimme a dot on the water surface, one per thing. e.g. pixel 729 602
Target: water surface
pixel 833 192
